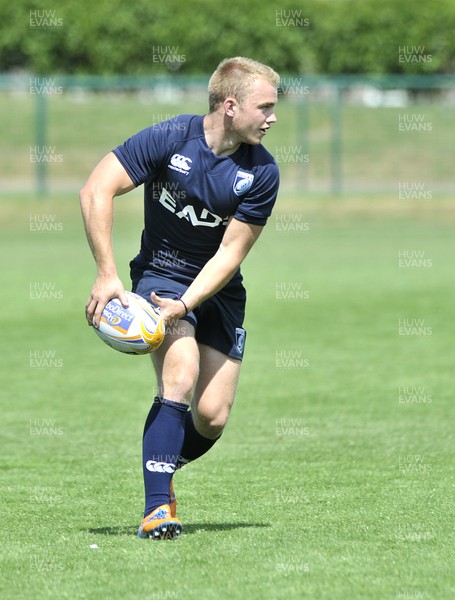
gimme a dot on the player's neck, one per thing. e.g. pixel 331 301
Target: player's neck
pixel 220 140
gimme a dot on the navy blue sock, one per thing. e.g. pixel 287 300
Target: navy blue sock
pixel 194 444
pixel 161 446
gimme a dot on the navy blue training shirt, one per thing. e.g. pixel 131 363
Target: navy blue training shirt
pixel 190 193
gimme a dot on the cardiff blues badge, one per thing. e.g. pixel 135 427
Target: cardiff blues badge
pixel 243 182
pixel 240 335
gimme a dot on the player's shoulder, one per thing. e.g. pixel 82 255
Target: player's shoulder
pixel 261 162
pixel 264 154
pixel 259 156
pixel 184 126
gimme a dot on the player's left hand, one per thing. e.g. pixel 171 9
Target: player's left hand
pixel 170 310
pixel 104 289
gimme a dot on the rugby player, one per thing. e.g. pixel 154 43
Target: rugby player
pixel 209 187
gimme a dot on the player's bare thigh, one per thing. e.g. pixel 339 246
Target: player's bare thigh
pixel 176 363
pixel 215 391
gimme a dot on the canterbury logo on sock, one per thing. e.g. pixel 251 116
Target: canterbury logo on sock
pixel 159 467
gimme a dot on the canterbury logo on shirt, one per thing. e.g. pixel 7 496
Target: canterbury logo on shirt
pixel 188 212
pixel 180 163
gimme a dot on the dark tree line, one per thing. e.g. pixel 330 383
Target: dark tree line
pixel 161 36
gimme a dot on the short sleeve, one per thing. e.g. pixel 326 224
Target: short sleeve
pixel 143 153
pixel 256 206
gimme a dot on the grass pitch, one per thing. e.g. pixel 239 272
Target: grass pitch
pixel 334 478
pixel 373 155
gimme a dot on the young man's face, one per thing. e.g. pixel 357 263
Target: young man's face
pixel 254 115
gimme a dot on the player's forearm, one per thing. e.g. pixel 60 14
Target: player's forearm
pixel 237 241
pixel 216 273
pixel 98 216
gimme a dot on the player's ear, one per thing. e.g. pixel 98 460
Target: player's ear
pixel 230 106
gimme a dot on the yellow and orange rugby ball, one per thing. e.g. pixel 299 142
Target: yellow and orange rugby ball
pixel 137 329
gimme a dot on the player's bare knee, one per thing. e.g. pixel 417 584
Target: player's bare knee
pixel 179 385
pixel 209 431
pixel 211 424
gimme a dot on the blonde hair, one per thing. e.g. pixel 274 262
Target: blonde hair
pixel 234 77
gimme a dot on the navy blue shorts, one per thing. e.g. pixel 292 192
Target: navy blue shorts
pixel 218 320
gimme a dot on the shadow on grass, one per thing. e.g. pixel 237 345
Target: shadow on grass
pixel 187 529
pixel 195 527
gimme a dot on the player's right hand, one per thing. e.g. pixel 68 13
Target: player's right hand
pixel 104 289
pixel 171 310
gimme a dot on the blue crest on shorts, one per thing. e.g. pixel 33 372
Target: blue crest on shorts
pixel 243 182
pixel 240 335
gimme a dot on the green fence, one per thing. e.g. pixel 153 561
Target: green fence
pixel 345 135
